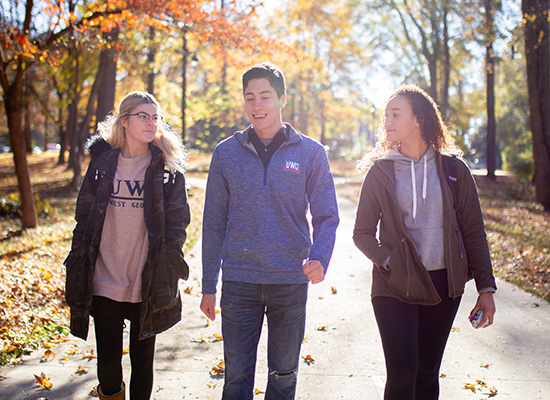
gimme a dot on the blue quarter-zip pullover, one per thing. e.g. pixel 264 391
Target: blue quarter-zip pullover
pixel 255 226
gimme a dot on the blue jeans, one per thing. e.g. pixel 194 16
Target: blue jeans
pixel 243 307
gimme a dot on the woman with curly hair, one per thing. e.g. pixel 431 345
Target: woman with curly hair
pixel 423 246
pixel 126 256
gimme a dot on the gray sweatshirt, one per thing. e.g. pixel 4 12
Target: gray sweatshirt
pixel 418 193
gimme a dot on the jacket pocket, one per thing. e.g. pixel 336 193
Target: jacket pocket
pixel 396 277
pixel 169 269
pixel 79 278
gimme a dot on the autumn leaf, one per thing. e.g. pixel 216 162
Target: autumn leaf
pixel 333 290
pixel 43 381
pixel 217 338
pixel 218 370
pixel 207 323
pixel 322 328
pixel 442 375
pixel 199 340
pixel 187 290
pixel 126 350
pixel 308 360
pixel 492 391
pixel 47 354
pixel 470 386
pixel 257 391
pixel 89 355
pixel 80 370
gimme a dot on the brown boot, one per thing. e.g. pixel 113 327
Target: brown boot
pixel 121 395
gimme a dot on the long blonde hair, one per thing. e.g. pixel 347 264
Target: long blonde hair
pixel 433 129
pixel 112 131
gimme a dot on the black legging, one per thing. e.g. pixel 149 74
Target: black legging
pixel 414 339
pixel 109 316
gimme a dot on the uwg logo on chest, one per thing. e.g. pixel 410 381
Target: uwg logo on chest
pixel 127 193
pixel 292 166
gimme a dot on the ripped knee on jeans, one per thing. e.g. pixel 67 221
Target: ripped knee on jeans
pixel 284 374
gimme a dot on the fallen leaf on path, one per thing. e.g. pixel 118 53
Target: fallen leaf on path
pixel 481 383
pixel 47 354
pixel 257 391
pixel 89 355
pixel 217 338
pixel 470 386
pixel 126 350
pixel 80 370
pixel 198 340
pixel 322 328
pixel 43 381
pixel 442 375
pixel 309 360
pixel 218 370
pixel 333 290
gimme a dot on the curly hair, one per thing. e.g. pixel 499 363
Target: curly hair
pixel 433 129
pixel 112 131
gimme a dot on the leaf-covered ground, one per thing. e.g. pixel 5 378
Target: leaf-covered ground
pixel 33 312
pixel 518 229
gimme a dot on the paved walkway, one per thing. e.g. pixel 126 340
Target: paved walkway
pixel 341 336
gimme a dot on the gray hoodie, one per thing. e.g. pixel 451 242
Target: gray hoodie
pixel 418 193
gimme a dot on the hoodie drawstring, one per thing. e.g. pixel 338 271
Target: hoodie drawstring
pixel 424 184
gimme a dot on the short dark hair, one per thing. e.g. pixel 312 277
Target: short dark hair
pixel 268 71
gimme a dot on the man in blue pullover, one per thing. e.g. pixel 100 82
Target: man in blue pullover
pixel 261 184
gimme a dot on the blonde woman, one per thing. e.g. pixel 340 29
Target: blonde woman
pixel 423 246
pixel 126 256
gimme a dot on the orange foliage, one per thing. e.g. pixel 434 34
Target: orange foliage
pixel 204 21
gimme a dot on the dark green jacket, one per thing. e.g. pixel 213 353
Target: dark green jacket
pixel 406 279
pixel 166 216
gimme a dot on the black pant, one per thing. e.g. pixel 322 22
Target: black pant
pixel 414 339
pixel 109 316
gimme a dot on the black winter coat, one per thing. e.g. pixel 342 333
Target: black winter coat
pixel 166 216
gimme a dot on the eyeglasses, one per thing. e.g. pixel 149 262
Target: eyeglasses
pixel 144 117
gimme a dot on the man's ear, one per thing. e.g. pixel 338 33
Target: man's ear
pixel 282 100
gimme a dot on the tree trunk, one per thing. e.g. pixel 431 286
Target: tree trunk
pixel 490 74
pixel 151 61
pixel 537 56
pixel 46 130
pixel 63 143
pixel 444 104
pixel 13 103
pixel 72 119
pixel 107 80
pixel 83 134
pixel 27 125
pixel 184 87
